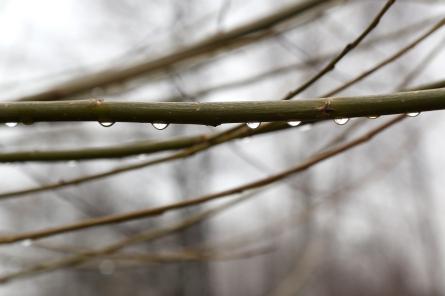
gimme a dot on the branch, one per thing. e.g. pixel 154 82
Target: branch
pixel 349 47
pixel 390 59
pixel 150 212
pixel 153 234
pixel 148 235
pixel 234 133
pixel 225 112
pixel 116 151
pixel 208 142
pixel 214 43
pixel 144 147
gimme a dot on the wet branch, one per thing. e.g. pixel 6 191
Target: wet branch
pixel 225 112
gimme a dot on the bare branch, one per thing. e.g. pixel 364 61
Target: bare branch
pixel 212 44
pixel 350 46
pixel 119 218
pixel 213 113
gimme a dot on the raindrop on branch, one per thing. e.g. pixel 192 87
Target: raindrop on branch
pixel 294 123
pixel 253 125
pixel 106 123
pixel 412 114
pixel 341 121
pixel 159 125
pixel 26 243
pixel 11 124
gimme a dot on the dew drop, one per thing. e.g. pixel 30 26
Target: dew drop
pixel 373 116
pixel 412 114
pixel 11 124
pixel 26 243
pixel 253 125
pixel 294 123
pixel 341 121
pixel 106 123
pixel 106 267
pixel 159 125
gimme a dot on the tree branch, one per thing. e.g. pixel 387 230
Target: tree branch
pixel 225 112
pixel 116 151
pixel 208 142
pixel 149 235
pixel 150 212
pixel 350 46
pixel 207 46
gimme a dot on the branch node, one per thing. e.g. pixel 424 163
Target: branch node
pixel 327 107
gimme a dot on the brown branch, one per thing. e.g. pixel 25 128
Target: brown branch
pixel 349 47
pixel 242 35
pixel 119 218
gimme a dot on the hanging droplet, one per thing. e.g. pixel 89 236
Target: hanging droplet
pixel 341 121
pixel 373 116
pixel 253 125
pixel 26 243
pixel 72 163
pixel 11 124
pixel 106 267
pixel 306 127
pixel 294 123
pixel 106 123
pixel 159 125
pixel 412 114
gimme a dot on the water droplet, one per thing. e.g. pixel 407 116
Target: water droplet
pixel 341 121
pixel 72 163
pixel 11 124
pixel 306 127
pixel 294 123
pixel 106 123
pixel 373 116
pixel 106 267
pixel 26 243
pixel 159 125
pixel 253 125
pixel 412 114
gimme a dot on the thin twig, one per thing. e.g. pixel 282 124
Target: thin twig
pixel 390 59
pixel 119 218
pixel 349 47
pixel 210 45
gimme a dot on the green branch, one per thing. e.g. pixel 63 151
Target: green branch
pixel 225 112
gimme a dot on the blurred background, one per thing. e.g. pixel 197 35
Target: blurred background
pixel 367 222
